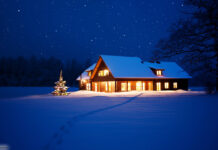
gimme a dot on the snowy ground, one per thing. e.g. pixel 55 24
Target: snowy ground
pixel 31 119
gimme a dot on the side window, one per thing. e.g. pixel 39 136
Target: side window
pixel 175 85
pixel 166 85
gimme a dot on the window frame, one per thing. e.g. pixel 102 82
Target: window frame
pixel 103 73
pixel 159 72
pixel 175 85
pixel 166 87
pixel 158 86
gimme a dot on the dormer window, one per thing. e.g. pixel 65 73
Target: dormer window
pixel 102 73
pixel 159 72
pixel 89 73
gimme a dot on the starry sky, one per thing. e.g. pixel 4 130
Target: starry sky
pixel 84 29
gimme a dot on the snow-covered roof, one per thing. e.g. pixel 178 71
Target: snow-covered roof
pixel 91 67
pixel 132 67
pixel 85 73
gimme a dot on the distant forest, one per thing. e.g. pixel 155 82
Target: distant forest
pixel 33 71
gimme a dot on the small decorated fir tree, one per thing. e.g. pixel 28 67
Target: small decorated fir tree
pixel 60 88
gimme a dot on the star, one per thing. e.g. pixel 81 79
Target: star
pixel 123 35
pixel 150 43
pixel 46 36
pixel 18 10
pixel 118 14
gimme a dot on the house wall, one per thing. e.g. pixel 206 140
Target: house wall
pixel 103 86
pixel 116 85
pixel 182 83
pixel 103 66
pixel 82 85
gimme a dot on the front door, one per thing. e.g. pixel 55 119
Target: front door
pixel 150 85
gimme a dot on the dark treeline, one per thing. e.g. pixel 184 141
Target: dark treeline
pixel 34 71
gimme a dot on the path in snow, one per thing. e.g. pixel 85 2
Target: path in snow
pixel 57 138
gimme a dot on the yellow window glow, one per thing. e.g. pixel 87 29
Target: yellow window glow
pixel 175 85
pixel 106 86
pixel 123 86
pixel 109 86
pixel 129 86
pixel 159 72
pixel 143 86
pixel 166 85
pixel 103 73
pixel 138 86
pixel 88 86
pixel 106 72
pixel 158 86
pixel 96 87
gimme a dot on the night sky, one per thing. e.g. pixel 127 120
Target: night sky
pixel 84 28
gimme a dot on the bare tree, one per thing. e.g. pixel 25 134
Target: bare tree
pixel 195 38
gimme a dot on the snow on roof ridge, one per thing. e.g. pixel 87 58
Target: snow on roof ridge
pixel 142 61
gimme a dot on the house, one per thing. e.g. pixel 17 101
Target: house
pixel 120 74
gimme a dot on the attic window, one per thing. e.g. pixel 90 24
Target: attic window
pixel 89 73
pixel 159 72
pixel 102 73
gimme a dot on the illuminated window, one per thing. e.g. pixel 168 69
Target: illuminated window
pixel 109 86
pixel 123 86
pixel 158 86
pixel 106 72
pixel 89 73
pixel 102 73
pixel 129 86
pixel 96 87
pixel 143 86
pixel 166 85
pixel 158 72
pixel 138 86
pixel 83 82
pixel 106 86
pixel 88 86
pixel 175 85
